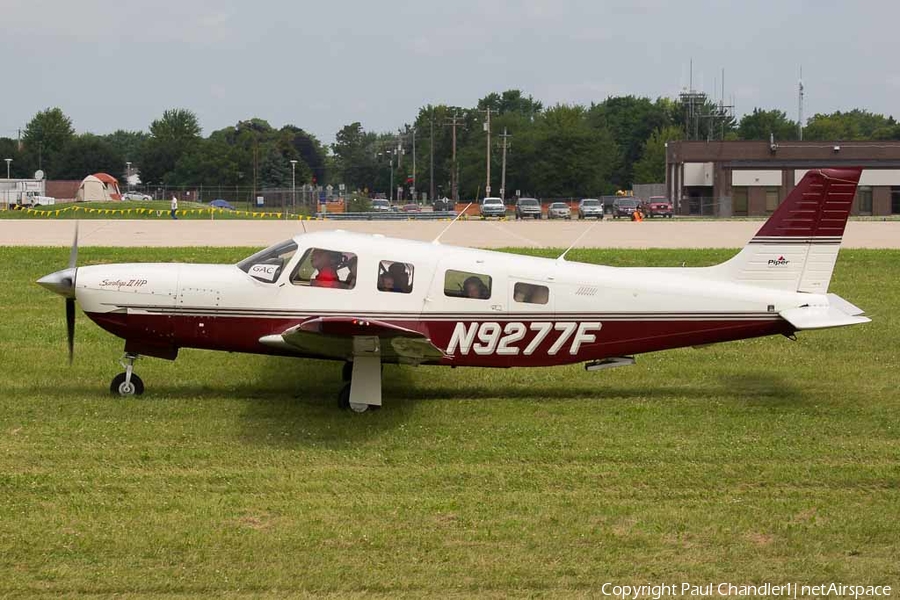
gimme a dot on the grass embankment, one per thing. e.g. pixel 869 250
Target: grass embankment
pixel 757 461
pixel 155 209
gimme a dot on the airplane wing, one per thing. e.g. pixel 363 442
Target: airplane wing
pixel 339 337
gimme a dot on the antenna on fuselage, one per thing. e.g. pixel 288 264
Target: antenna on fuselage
pixel 562 257
pixel 449 225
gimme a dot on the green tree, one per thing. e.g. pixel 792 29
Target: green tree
pixel 630 120
pixel 9 148
pixel 129 144
pixel 512 101
pixel 759 124
pixel 177 125
pixel 651 168
pixel 171 137
pixel 572 158
pixel 45 138
pixel 355 153
pixel 87 154
pixel 305 148
pixel 856 124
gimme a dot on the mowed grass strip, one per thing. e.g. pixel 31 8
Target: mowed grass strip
pixel 131 210
pixel 754 461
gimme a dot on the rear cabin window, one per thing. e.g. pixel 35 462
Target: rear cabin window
pixel 395 277
pixel 321 267
pixel 529 293
pixel 462 284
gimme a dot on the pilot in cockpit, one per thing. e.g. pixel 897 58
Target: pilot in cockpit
pixel 326 262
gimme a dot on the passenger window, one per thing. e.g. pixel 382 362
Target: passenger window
pixel 531 294
pixel 460 284
pixel 326 268
pixel 395 277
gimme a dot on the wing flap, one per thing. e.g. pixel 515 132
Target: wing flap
pixel 333 337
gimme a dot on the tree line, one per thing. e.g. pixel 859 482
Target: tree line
pixel 558 151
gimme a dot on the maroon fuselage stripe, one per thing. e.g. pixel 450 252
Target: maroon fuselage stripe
pixel 615 338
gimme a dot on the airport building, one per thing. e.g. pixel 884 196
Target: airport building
pixel 742 178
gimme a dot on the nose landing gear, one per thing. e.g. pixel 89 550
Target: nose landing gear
pixel 127 383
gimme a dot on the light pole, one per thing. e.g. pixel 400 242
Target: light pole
pixel 8 160
pixel 294 185
pixel 128 175
pixel 392 177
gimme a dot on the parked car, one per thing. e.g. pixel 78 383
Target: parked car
pixel 381 205
pixel 136 196
pixel 590 208
pixel 659 206
pixel 659 209
pixel 528 207
pixel 411 207
pixel 559 210
pixel 625 207
pixel 492 207
pixel 220 203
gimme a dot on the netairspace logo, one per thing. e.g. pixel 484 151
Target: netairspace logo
pixel 767 590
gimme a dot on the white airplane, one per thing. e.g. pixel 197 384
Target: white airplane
pixel 368 300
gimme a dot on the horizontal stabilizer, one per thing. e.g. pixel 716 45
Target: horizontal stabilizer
pixel 821 317
pixel 842 305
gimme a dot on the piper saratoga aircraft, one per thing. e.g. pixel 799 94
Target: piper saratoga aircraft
pixel 368 300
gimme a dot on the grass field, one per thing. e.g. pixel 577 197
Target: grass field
pixel 758 461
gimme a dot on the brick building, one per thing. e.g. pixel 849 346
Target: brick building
pixel 751 178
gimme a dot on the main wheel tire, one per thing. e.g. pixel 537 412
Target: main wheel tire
pixel 347 371
pixel 119 388
pixel 344 397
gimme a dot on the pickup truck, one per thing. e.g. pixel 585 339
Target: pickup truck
pixel 492 207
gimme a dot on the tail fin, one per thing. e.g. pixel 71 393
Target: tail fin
pixel 795 250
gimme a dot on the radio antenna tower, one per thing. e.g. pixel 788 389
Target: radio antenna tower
pixel 800 105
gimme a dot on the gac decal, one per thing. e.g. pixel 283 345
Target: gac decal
pixel 493 338
pixel 778 262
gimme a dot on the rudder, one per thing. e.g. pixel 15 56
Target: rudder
pixel 796 249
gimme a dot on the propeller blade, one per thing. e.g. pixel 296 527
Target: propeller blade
pixel 70 326
pixel 73 255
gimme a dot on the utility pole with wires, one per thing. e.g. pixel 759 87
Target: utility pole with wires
pixel 487 128
pixel 431 166
pixel 504 136
pixel 454 167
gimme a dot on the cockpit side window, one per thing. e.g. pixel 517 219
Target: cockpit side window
pixel 267 265
pixel 321 267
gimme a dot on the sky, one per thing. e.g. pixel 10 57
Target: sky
pixel 118 64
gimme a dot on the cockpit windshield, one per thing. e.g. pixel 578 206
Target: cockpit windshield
pixel 267 265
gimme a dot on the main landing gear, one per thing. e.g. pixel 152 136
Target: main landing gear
pixel 127 383
pixel 362 376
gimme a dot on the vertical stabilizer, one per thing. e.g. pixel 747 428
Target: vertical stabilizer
pixel 796 249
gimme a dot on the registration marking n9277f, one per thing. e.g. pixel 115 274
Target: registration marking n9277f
pixel 491 337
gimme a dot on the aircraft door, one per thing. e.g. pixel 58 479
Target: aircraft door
pixel 468 287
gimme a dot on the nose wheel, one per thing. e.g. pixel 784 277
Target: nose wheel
pixel 127 383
